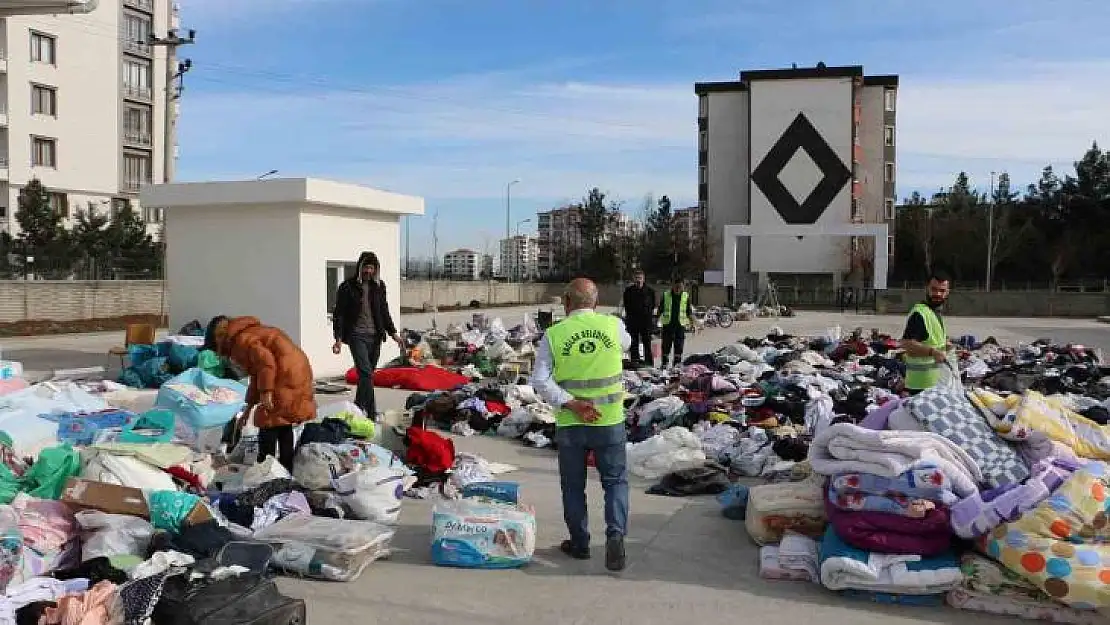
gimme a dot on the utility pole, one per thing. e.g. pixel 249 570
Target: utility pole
pixel 990 234
pixel 175 74
pixel 435 261
pixel 509 213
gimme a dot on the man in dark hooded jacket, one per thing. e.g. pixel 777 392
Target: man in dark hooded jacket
pixel 361 320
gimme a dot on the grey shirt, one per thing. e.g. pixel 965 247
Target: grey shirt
pixel 364 325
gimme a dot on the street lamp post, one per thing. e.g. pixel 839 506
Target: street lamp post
pixel 990 234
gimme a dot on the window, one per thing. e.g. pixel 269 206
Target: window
pixel 703 106
pixel 889 96
pixel 855 208
pixel 890 246
pixel 888 206
pixel 703 140
pixel 703 175
pixel 137 77
pixel 152 215
pixel 137 124
pixel 44 152
pixel 136 171
pixel 44 100
pixel 59 203
pixel 43 48
pixel 888 135
pixel 136 32
pixel 888 172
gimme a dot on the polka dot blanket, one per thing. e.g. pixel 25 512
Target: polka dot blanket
pixel 1063 545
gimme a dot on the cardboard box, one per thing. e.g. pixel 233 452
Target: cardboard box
pixel 83 494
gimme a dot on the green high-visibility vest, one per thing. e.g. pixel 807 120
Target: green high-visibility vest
pixel 668 309
pixel 586 349
pixel 923 373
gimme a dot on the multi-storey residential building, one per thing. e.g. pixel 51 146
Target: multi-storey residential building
pixel 796 150
pixel 462 264
pixel 488 266
pixel 688 221
pixel 82 106
pixel 560 233
pixel 519 258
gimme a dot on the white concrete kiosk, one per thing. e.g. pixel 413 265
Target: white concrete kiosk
pixel 277 249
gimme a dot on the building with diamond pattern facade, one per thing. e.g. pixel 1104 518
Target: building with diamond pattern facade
pixel 807 150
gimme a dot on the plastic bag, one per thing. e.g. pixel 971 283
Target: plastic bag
pixel 326 548
pixel 373 493
pixel 312 465
pixel 109 535
pixel 267 470
pixel 188 396
pixel 47 476
pixel 210 362
pixel 950 376
pixel 474 533
pixel 181 357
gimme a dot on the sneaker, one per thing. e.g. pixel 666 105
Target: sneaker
pixel 578 553
pixel 615 559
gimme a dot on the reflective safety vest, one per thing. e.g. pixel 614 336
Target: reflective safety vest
pixel 586 349
pixel 668 309
pixel 923 373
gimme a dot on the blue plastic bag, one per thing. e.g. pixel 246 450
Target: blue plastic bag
pixel 153 372
pixel 182 357
pixel 191 408
pixel 505 492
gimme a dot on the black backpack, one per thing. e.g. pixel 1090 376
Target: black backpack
pixel 244 600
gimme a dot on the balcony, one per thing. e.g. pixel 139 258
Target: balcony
pixel 140 48
pixel 3 60
pixel 131 186
pixel 143 94
pixel 138 139
pixel 142 5
pixel 4 167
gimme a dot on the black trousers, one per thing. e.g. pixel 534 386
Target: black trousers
pixel 277 442
pixel 673 336
pixel 366 350
pixel 641 337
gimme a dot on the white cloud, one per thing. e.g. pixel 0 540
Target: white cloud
pixel 467 138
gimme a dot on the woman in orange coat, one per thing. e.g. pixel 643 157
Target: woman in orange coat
pixel 282 390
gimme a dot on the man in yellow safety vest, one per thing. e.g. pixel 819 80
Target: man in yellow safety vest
pixel 578 370
pixel 925 339
pixel 675 313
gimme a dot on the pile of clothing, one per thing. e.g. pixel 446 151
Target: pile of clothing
pixel 165 511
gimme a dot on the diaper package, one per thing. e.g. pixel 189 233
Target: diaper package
pixel 482 534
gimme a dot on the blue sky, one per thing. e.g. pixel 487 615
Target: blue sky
pixel 452 99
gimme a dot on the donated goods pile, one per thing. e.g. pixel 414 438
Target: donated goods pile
pixel 987 492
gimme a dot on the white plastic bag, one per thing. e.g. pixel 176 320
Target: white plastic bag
pixel 325 548
pixel 265 471
pixel 373 493
pixel 339 410
pixel 950 376
pixel 111 535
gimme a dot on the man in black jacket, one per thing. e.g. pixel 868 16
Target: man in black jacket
pixel 639 305
pixel 361 320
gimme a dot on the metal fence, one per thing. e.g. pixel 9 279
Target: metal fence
pixel 87 268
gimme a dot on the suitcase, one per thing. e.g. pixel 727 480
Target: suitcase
pixel 244 600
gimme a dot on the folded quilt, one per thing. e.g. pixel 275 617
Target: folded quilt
pixel 987 577
pixel 926 482
pixel 848 448
pixel 1028 609
pixel 1063 544
pixel 891 533
pixel 845 567
pixel 978 514
pixel 952 415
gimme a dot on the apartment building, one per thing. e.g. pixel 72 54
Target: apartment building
pixel 82 102
pixel 559 232
pixel 790 150
pixel 462 264
pixel 519 258
pixel 688 221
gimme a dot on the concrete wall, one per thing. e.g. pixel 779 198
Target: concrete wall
pixel 1004 303
pixel 69 301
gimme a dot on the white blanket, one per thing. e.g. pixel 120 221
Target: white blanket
pixel 887 573
pixel 847 448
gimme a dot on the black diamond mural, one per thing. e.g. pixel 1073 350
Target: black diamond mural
pixel 801 135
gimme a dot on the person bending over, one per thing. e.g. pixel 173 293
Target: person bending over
pixel 282 391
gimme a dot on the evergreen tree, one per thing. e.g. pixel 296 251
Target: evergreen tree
pixel 44 245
